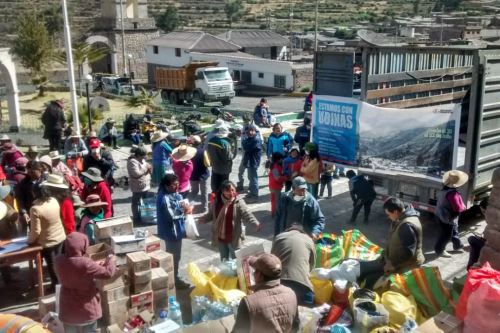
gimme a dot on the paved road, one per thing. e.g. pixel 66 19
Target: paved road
pixel 277 104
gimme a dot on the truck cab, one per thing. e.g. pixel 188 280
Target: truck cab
pixel 213 84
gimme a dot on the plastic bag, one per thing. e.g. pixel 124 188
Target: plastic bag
pixel 400 307
pixel 368 315
pixel 147 210
pixel 362 293
pixel 485 301
pixel 52 322
pixel 357 246
pixel 199 280
pixel 474 279
pixel 322 290
pixel 191 229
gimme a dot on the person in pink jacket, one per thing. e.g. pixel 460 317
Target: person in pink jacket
pixel 183 167
pixel 79 301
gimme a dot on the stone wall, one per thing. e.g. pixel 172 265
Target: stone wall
pixel 491 251
pixel 302 77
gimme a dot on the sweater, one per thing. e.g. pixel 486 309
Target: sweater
pixel 276 177
pixel 310 217
pixel 139 175
pixel 252 151
pixel 46 228
pixel 102 190
pixel 311 170
pixel 183 170
pixel 281 143
pixel 68 215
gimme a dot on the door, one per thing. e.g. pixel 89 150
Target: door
pixel 274 52
pixel 236 75
pixel 246 77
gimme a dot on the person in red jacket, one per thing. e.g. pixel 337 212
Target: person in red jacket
pixel 79 301
pixel 57 188
pixel 95 184
pixel 276 180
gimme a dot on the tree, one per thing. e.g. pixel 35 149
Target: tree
pixel 34 48
pixel 143 98
pixel 53 18
pixel 234 10
pixel 169 20
pixel 447 5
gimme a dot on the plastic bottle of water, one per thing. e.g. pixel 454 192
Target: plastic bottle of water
pixel 174 311
pixel 162 316
pixel 409 326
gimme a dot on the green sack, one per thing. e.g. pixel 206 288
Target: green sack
pixel 357 246
pixel 329 252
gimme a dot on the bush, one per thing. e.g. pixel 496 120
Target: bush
pixel 83 116
pixel 305 89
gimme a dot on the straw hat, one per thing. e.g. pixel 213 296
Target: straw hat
pixel 158 136
pixel 75 135
pixel 46 159
pixel 94 200
pixel 110 121
pixel 455 178
pixel 60 102
pixel 4 137
pixel 55 180
pixel 93 174
pixel 32 150
pixel 183 153
pixel 4 191
pixel 77 202
pixel 54 155
pixel 3 209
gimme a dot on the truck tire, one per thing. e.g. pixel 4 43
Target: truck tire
pixel 197 98
pixel 226 101
pixel 172 98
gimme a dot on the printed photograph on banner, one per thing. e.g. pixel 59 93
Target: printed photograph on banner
pixel 335 128
pixel 420 140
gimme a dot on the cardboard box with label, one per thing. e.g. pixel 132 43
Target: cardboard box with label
pixel 138 261
pixel 115 312
pixel 115 226
pixel 442 323
pixel 127 243
pixel 99 251
pixel 141 277
pixel 111 283
pixel 141 299
pixel 153 243
pixel 114 294
pixel 159 278
pixel 163 260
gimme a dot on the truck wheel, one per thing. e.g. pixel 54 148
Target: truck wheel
pixel 226 101
pixel 197 99
pixel 172 98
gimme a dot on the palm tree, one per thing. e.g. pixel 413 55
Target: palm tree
pixel 143 98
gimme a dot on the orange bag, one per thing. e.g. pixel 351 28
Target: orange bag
pixel 75 162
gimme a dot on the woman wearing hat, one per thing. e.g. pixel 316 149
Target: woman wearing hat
pixel 139 173
pixel 59 166
pixel 75 147
pixel 161 156
pixel 448 208
pixel 46 229
pixel 101 159
pixel 95 184
pixel 19 172
pixel 109 133
pixel 10 154
pixel 28 190
pixel 183 167
pixel 93 212
pixel 56 187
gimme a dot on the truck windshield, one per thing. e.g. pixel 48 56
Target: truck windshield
pixel 217 75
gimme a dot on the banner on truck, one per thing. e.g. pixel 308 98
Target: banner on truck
pixel 354 133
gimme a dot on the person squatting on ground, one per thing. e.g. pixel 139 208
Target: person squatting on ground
pixel 362 193
pixel 448 207
pixel 403 249
pixel 227 214
pixel 108 133
pixel 271 307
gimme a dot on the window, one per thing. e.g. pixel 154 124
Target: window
pixel 177 52
pixel 155 49
pixel 261 75
pixel 280 81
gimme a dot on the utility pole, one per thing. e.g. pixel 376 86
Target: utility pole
pixel 71 69
pixel 124 60
pixel 316 26
pixel 291 30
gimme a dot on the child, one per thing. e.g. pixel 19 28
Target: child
pixel 276 180
pixel 327 179
pixel 291 167
pixel 311 168
pixel 93 212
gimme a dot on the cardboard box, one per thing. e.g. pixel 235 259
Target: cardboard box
pixel 99 251
pixel 163 260
pixel 115 312
pixel 121 259
pixel 171 280
pixel 223 325
pixel 138 288
pixel 167 326
pixel 153 243
pixel 141 277
pixel 114 294
pixel 114 329
pixel 160 294
pixel 46 304
pixel 442 323
pixel 115 282
pixel 127 243
pixel 138 300
pixel 159 278
pixel 115 226
pixel 138 261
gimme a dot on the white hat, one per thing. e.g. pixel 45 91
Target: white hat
pixel 219 123
pixel 158 136
pixel 4 137
pixel 54 155
pixel 455 178
pixel 183 153
pixel 55 180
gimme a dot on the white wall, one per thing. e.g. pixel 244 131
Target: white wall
pixel 265 52
pixel 166 56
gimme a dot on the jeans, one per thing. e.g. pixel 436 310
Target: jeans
pixel 253 180
pixel 241 172
pixel 200 186
pixel 328 184
pixel 448 232
pixel 476 244
pixel 357 208
pixel 135 138
pixel 370 272
pixel 305 296
pixel 226 251
pixel 89 328
pixel 313 189
pixel 136 201
pixel 217 180
pixel 49 254
pixel 175 248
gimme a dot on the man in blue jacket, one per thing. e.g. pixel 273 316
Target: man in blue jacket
pixel 362 194
pixel 299 206
pixel 252 148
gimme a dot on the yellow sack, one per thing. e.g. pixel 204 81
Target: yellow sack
pixel 225 282
pixel 199 280
pixel 323 290
pixel 351 296
pixel 384 329
pixel 225 296
pixel 400 308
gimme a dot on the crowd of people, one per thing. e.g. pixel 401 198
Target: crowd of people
pixel 57 199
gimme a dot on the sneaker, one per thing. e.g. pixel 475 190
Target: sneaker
pixel 444 254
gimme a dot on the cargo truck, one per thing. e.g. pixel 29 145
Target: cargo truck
pixel 196 82
pixel 406 77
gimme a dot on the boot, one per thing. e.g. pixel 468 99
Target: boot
pixel 239 187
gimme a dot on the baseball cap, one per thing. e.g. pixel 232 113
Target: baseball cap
pixel 268 264
pixel 94 143
pixel 299 182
